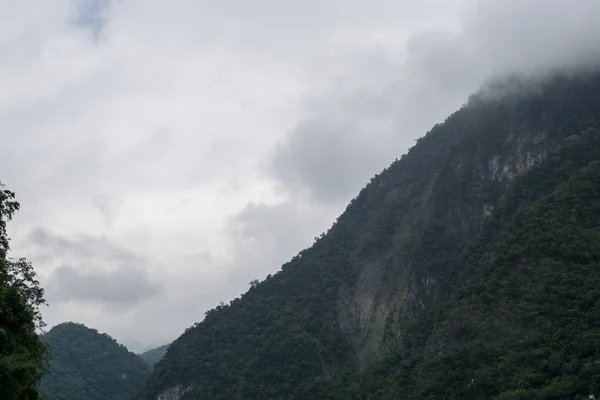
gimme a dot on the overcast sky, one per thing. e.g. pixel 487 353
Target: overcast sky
pixel 165 153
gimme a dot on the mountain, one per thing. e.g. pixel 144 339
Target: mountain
pixel 88 365
pixel 468 269
pixel 153 356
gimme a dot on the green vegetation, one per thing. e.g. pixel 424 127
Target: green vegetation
pixel 468 269
pixel 528 327
pixel 513 329
pixel 23 357
pixel 87 365
pixel 154 355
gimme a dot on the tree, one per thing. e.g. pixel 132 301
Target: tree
pixel 23 356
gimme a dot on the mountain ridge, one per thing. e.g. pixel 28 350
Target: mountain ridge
pixel 354 315
pixel 154 355
pixel 87 364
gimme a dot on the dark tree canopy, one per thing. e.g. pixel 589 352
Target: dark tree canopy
pixel 23 357
pixel 90 365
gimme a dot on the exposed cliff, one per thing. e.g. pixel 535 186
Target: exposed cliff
pixel 387 303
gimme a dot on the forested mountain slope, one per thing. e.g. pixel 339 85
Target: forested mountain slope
pixel 468 269
pixel 153 356
pixel 88 365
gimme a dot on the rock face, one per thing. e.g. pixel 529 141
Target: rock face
pixel 174 393
pixel 379 304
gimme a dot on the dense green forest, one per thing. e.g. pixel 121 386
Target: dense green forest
pixel 89 365
pixel 154 355
pixel 23 357
pixel 468 269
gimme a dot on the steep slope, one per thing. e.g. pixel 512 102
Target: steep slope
pixel 367 311
pixel 529 327
pixel 513 331
pixel 92 366
pixel 153 356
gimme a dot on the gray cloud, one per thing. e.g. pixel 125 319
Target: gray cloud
pixel 92 15
pixel 51 245
pixel 105 273
pixel 267 235
pixel 118 288
pixel 357 128
pixel 333 158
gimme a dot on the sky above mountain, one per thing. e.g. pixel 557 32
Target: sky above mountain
pixel 165 153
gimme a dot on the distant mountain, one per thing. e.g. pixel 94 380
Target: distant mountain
pixel 469 269
pixel 88 365
pixel 154 355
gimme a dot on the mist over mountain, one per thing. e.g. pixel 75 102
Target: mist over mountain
pixel 153 356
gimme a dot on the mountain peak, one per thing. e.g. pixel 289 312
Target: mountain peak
pixel 90 365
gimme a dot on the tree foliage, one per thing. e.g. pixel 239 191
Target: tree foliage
pixel 23 357
pixel 89 365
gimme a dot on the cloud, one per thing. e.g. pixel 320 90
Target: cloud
pixel 121 287
pixel 202 144
pixel 332 158
pixel 51 245
pixel 92 15
pixel 265 236
pixel 360 124
pixel 95 270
